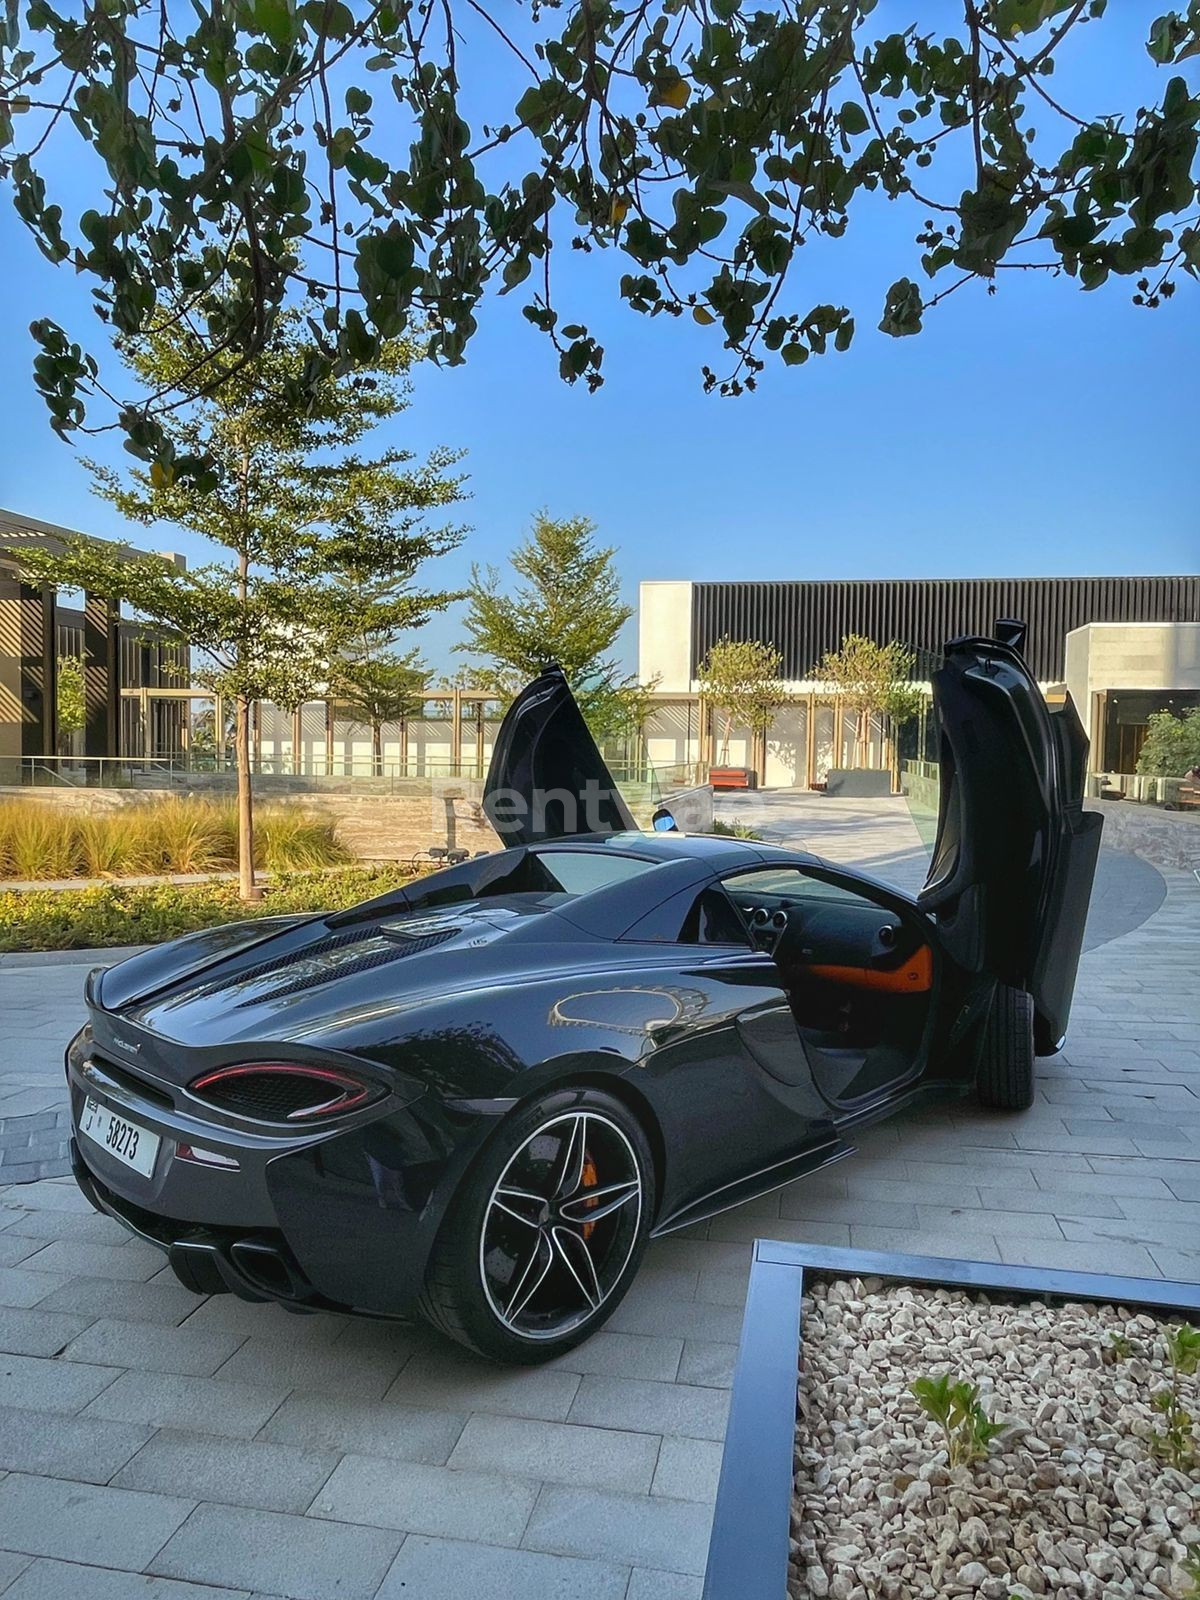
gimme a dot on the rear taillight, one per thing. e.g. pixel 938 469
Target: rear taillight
pixel 283 1091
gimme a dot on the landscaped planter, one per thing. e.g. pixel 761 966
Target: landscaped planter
pixel 859 783
pixel 848 1493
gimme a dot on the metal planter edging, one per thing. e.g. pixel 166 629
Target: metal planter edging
pixel 748 1549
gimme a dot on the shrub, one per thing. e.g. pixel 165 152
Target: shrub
pixel 176 835
pixel 735 830
pixel 1172 744
pixel 36 842
pixel 290 840
pixel 119 914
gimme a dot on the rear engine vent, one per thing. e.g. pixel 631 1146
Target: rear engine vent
pixel 397 946
pixel 274 1091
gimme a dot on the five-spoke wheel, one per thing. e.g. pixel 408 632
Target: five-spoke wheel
pixel 558 1228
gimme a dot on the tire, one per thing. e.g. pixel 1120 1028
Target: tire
pixel 518 1272
pixel 1005 1076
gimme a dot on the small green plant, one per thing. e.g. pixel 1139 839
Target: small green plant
pixel 1175 1443
pixel 1191 1567
pixel 735 830
pixel 953 1404
pixel 1119 1348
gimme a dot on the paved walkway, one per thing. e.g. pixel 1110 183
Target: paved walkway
pixel 232 1450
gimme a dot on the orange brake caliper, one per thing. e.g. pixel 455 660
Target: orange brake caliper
pixel 590 1179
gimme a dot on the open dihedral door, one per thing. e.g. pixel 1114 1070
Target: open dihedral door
pixel 1015 852
pixel 547 778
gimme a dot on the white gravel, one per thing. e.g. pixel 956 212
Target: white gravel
pixel 1070 1500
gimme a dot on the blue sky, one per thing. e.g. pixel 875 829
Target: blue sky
pixel 1036 431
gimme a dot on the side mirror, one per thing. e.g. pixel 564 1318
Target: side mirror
pixel 663 822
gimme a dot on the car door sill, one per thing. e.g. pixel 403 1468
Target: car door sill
pixel 776 1176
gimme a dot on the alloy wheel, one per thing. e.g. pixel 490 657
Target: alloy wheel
pixel 561 1225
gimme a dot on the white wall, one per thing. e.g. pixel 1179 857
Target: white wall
pixel 1129 655
pixel 665 635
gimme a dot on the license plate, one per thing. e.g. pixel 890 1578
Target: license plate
pixel 125 1141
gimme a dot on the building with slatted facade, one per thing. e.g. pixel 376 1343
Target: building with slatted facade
pixel 1125 647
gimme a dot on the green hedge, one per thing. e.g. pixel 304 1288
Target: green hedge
pixel 117 914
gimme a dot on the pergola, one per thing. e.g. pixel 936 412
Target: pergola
pixel 28 648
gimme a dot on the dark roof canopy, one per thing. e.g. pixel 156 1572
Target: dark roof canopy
pixel 803 620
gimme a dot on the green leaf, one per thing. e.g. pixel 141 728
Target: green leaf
pixel 853 118
pixel 902 309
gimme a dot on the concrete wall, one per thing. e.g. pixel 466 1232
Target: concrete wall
pixel 1129 655
pixel 665 635
pixel 373 827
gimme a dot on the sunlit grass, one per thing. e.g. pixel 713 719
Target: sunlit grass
pixel 176 835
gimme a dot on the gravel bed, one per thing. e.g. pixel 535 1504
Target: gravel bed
pixel 1070 1499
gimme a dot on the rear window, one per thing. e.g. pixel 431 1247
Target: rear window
pixel 576 872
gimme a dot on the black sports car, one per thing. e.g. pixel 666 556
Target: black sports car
pixel 480 1095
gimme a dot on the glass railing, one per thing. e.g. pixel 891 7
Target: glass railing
pixel 642 782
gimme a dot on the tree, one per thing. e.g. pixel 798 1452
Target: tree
pixel 568 609
pixel 1172 745
pixel 70 698
pixel 380 686
pixel 741 678
pixel 870 679
pixel 374 156
pixel 291 510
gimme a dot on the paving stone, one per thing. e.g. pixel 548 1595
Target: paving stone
pixel 557 1452
pixel 237 1472
pixel 84 1522
pixel 724 1287
pixel 55 1580
pixel 646 1530
pixel 421 1499
pixel 317 1367
pixel 32 1332
pixel 10 1565
pixel 646 1585
pixel 14 1248
pixel 226 1313
pixel 19 1287
pixel 447 1569
pixel 688 1469
pixel 1047 1202
pixel 32 1383
pixel 1126 1260
pixel 734 1228
pixel 707 1363
pixel 403 1433
pixel 135 1302
pixel 956 1246
pixel 54 1195
pixel 49 1445
pixel 626 1355
pixel 133 1262
pixel 69 1225
pixel 1181 1266
pixel 642 1406
pixel 199 1405
pixel 460 1382
pixel 987 1220
pixel 152 1347
pixel 678 1319
pixel 297 1557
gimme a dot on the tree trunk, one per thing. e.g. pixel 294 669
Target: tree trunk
pixel 728 732
pixel 247 887
pixel 863 753
pixel 377 748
